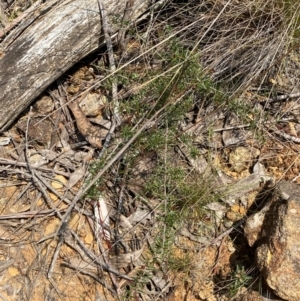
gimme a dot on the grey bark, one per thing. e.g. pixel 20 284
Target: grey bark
pixel 47 43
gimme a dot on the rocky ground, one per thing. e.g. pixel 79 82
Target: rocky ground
pixel 230 233
pixel 44 163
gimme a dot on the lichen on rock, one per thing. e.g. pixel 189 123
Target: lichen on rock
pixel 278 247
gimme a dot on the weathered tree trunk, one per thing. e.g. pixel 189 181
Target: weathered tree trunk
pixel 47 43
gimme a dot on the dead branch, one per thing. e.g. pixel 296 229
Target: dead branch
pixel 47 43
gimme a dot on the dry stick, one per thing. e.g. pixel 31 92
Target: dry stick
pixel 106 31
pixel 55 129
pixel 107 139
pixel 280 98
pixel 29 214
pixel 2 297
pixel 94 258
pixel 62 198
pixel 106 261
pixel 111 59
pixel 35 178
pixel 122 44
pixel 45 184
pixel 284 135
pixel 23 191
pixel 40 187
pixel 21 164
pixel 18 171
pixel 55 256
pixel 56 289
pixel 62 94
pixel 62 228
pixel 57 212
pixel 219 238
pixel 232 128
pixel 115 116
pixel 124 25
pixel 104 266
pixel 95 277
pixel 14 185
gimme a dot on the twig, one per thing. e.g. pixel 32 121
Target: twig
pixel 111 59
pixel 40 187
pixel 24 164
pixel 104 265
pixel 107 139
pixel 92 256
pixel 106 31
pixel 29 214
pixel 124 25
pixel 6 265
pixel 55 129
pixel 106 261
pixel 34 177
pixel 55 256
pixel 285 136
pixel 56 289
pixel 53 190
pixel 280 98
pixel 219 238
pixel 116 121
pixel 55 209
pixel 231 128
pixel 101 228
pixel 220 250
pixel 95 277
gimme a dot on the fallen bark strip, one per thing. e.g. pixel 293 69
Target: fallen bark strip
pixel 55 36
pixel 91 133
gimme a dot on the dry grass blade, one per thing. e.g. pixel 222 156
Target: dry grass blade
pixel 244 43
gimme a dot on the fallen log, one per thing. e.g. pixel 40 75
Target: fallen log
pixel 47 42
